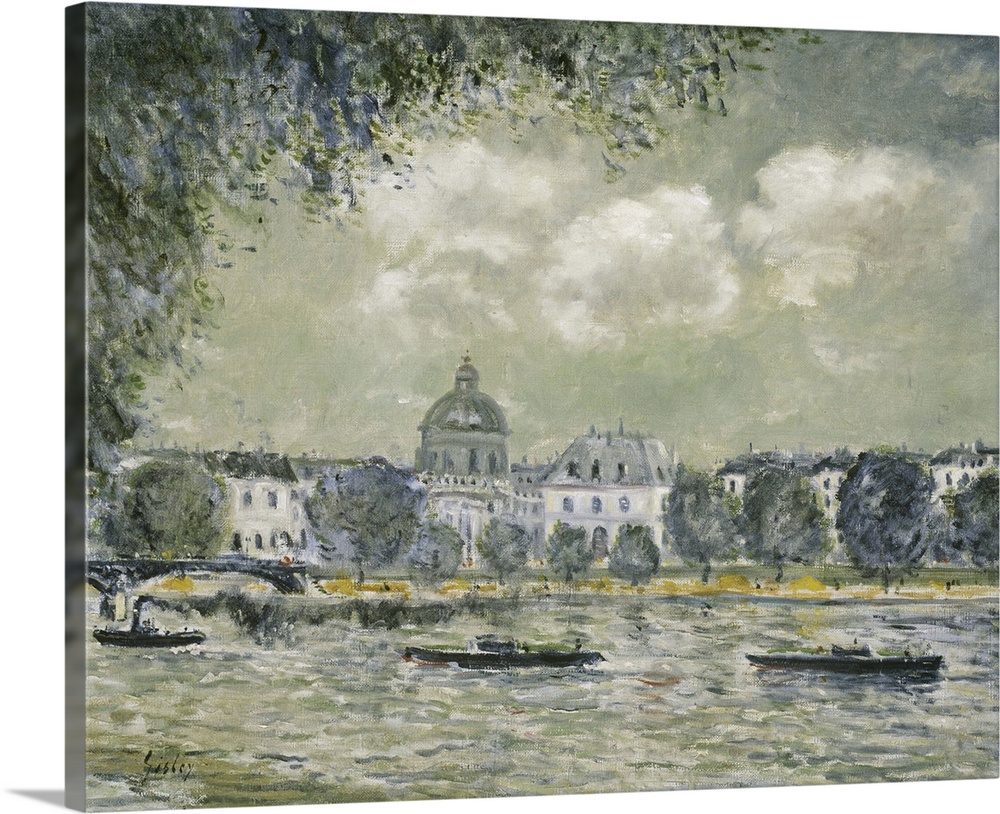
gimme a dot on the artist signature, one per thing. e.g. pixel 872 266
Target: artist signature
pixel 172 764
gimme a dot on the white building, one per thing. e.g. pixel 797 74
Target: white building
pixel 604 482
pixel 267 505
pixel 955 469
pixel 463 461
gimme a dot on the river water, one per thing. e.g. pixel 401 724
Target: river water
pixel 328 711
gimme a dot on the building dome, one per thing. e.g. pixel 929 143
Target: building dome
pixel 465 431
pixel 466 407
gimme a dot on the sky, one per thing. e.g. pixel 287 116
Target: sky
pixel 817 269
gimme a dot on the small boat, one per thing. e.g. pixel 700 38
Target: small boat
pixel 147 635
pixel 858 660
pixel 491 653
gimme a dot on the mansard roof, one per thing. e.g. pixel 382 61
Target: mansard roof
pixel 613 460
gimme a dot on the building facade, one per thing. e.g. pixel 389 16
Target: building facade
pixel 463 461
pixel 601 483
pixel 266 505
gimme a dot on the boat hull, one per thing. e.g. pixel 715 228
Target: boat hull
pixel 856 664
pixel 129 638
pixel 472 660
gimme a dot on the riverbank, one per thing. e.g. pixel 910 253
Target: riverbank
pixel 829 583
pixel 953 583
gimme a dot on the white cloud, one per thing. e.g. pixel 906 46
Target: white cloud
pixel 821 216
pixel 839 360
pixel 655 261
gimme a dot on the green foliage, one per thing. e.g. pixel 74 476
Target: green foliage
pixel 976 524
pixel 169 509
pixel 886 515
pixel 569 551
pixel 733 503
pixel 376 507
pixel 699 522
pixel 634 556
pixel 437 553
pixel 189 108
pixel 504 547
pixel 781 521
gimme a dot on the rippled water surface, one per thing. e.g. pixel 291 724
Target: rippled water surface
pixel 330 712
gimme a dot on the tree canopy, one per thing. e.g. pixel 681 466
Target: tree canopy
pixel 437 552
pixel 377 507
pixel 976 524
pixel 170 509
pixel 886 513
pixel 569 551
pixel 504 547
pixel 192 109
pixel 699 524
pixel 781 521
pixel 634 556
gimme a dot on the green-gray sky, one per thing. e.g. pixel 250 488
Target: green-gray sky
pixel 819 267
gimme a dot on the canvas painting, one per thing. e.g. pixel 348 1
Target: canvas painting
pixel 484 407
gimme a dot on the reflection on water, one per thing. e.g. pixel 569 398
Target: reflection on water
pixel 329 711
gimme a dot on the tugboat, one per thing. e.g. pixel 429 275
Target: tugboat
pixel 143 633
pixel 856 660
pixel 491 653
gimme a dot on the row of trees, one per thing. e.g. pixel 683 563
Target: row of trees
pixel 375 515
pixel 888 519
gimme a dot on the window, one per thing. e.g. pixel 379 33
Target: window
pixel 568 505
pixel 247 500
pixel 473 461
pixel 623 504
pixel 826 483
pixel 595 470
pixel 491 463
pixel 274 540
pixel 490 507
pixel 621 471
pixel 272 500
pixel 302 536
pixel 732 486
pixel 573 470
pixel 826 501
pixel 947 478
pixel 447 463
pixel 659 474
pixel 236 542
pixel 596 506
pixel 258 542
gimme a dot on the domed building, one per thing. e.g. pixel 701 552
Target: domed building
pixel 465 431
pixel 464 464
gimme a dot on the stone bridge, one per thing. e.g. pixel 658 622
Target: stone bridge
pixel 115 575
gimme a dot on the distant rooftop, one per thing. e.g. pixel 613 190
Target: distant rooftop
pixel 249 465
pixel 628 460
